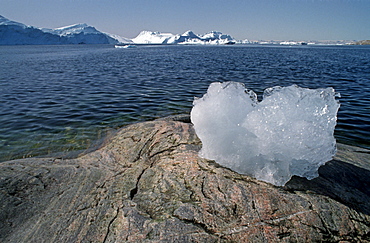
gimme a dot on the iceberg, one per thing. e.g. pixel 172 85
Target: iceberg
pixel 82 34
pixel 187 38
pixel 120 39
pixel 290 132
pixel 215 37
pixel 14 33
pixel 150 37
pixel 210 38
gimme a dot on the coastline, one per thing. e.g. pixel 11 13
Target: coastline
pixel 147 183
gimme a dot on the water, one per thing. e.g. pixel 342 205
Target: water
pixel 65 98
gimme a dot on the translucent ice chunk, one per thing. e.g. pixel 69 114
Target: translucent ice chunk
pixel 290 132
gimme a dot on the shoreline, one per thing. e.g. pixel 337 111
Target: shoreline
pixel 148 184
pixel 111 132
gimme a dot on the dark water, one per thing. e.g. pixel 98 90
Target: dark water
pixel 63 98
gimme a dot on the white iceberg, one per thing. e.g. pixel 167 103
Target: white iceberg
pixel 14 33
pixel 290 132
pixel 150 37
pixel 82 34
pixel 187 38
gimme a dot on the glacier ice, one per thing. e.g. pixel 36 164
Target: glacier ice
pixel 14 33
pixel 189 37
pixel 290 132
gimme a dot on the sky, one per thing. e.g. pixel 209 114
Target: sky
pixel 242 19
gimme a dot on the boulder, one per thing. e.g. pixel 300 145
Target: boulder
pixel 148 184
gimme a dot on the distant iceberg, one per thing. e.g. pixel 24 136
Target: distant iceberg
pixel 82 34
pixel 120 39
pixel 14 33
pixel 187 38
pixel 150 37
pixel 215 37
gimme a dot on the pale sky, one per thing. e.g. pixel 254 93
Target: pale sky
pixel 242 19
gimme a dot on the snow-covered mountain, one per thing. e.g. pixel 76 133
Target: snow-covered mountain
pixel 14 33
pixel 189 37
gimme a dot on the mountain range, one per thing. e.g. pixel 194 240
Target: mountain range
pixel 14 33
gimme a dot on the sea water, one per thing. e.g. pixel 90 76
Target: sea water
pixel 65 98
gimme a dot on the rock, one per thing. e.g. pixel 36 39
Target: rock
pixel 148 184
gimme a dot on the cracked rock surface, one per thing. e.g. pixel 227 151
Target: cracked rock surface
pixel 147 184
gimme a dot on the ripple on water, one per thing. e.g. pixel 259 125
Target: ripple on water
pixel 64 98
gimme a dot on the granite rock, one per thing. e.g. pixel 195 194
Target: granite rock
pixel 148 184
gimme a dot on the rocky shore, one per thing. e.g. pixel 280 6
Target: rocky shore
pixel 148 184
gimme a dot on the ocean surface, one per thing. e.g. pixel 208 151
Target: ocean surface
pixel 68 98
